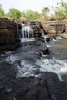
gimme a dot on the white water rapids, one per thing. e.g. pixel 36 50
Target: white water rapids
pixel 26 68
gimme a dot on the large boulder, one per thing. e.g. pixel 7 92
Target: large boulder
pixel 8 34
pixel 45 87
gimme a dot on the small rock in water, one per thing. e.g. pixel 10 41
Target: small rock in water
pixel 46 51
pixel 47 39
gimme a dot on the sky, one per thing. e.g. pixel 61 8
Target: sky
pixel 23 5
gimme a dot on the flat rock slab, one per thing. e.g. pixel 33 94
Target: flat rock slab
pixel 45 87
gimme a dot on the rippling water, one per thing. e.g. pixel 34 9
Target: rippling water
pixel 29 65
pixel 59 49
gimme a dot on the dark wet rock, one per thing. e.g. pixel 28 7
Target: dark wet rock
pixel 9 37
pixel 47 39
pixel 46 51
pixel 6 23
pixel 45 87
pixel 55 87
pixel 7 70
pixel 34 89
pixel 64 77
pixel 7 76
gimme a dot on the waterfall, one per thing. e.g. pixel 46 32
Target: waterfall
pixel 27 34
pixel 42 33
pixel 44 36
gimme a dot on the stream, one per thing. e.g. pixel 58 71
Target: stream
pixel 28 62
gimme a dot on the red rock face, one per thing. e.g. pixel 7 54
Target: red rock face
pixel 8 32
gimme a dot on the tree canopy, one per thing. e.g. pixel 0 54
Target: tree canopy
pixel 29 14
pixel 14 13
pixel 60 13
pixel 1 11
pixel 45 10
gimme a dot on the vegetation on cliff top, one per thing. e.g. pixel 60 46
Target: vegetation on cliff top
pixel 60 12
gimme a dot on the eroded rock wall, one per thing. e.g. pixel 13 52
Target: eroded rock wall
pixel 8 32
pixel 54 27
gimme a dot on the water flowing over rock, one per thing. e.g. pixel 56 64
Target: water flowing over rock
pixel 32 71
pixel 32 29
pixel 9 37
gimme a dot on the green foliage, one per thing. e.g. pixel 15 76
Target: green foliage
pixel 60 11
pixel 45 11
pixel 1 11
pixel 29 14
pixel 23 14
pixel 14 13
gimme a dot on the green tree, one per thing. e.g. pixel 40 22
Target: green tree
pixel 30 15
pixel 61 11
pixel 45 11
pixel 14 13
pixel 1 11
pixel 23 14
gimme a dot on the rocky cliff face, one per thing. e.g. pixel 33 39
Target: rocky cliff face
pixel 9 36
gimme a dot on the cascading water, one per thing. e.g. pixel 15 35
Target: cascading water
pixel 27 67
pixel 45 38
pixel 27 34
pixel 53 65
pixel 26 58
pixel 43 35
pixel 58 62
pixel 56 38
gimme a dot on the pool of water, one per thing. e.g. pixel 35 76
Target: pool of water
pixel 59 49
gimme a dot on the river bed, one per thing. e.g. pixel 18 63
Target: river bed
pixel 29 63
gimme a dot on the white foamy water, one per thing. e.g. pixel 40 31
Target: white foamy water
pixel 12 58
pixel 53 65
pixel 58 37
pixel 48 45
pixel 27 34
pixel 43 35
pixel 27 39
pixel 26 69
pixel 54 39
